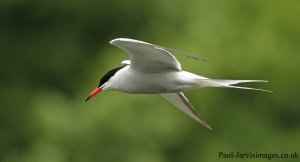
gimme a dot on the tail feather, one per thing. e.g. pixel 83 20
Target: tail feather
pixel 230 83
pixel 248 88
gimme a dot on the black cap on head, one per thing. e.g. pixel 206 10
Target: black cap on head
pixel 108 75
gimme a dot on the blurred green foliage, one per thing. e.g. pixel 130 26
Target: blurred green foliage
pixel 53 54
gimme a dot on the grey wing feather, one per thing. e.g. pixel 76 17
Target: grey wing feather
pixel 182 103
pixel 174 51
pixel 147 57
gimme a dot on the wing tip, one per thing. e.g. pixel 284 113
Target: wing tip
pixel 206 125
pixel 114 41
pixel 128 40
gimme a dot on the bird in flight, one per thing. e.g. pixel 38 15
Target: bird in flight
pixel 152 69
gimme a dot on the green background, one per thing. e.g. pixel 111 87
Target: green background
pixel 53 54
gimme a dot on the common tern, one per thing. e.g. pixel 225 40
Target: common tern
pixel 152 69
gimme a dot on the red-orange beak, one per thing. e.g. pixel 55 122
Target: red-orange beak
pixel 95 91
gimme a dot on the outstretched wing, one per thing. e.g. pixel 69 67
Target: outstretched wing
pixel 147 57
pixel 182 103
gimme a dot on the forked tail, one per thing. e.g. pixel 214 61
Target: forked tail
pixel 229 83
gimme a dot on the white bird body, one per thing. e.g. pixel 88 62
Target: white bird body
pixel 152 69
pixel 137 82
